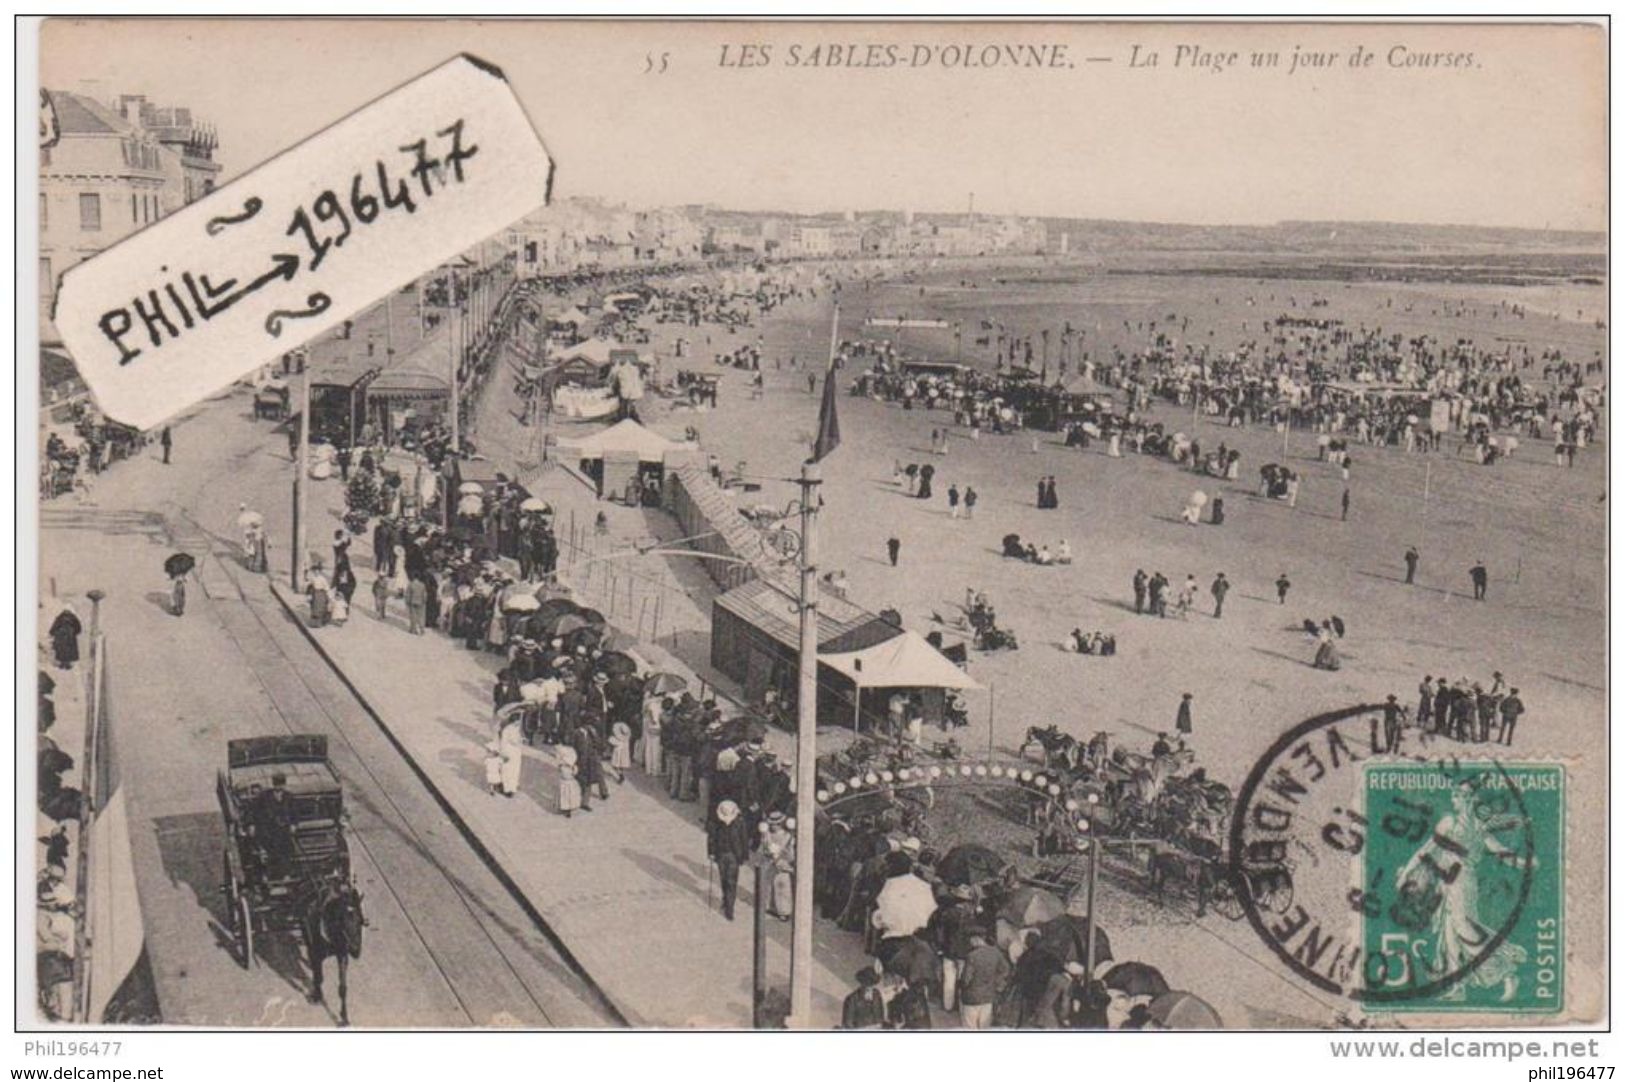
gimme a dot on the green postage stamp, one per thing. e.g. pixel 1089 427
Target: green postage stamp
pixel 1462 883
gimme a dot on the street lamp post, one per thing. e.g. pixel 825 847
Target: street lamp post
pixel 1094 872
pixel 456 366
pixel 301 482
pixel 801 931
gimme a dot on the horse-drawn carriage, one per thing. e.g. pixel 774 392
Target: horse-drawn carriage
pixel 287 863
pixel 271 401
pixel 1166 824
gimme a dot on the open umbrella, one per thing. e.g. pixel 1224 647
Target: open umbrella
pixel 665 683
pixel 1136 979
pixel 535 504
pixel 471 488
pixel 616 663
pixel 470 505
pixel 904 905
pixel 1030 906
pixel 592 637
pixel 592 616
pixel 1182 1010
pixel 181 563
pixel 249 520
pixel 521 603
pixel 569 622
pixel 555 607
pixel 971 863
pixel 1066 937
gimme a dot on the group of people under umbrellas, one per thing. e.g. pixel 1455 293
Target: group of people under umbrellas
pixel 957 932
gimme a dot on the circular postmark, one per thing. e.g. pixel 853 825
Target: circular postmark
pixel 1390 877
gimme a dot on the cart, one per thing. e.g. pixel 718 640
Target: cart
pixel 266 892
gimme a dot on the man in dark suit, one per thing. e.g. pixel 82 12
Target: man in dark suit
pixel 1511 711
pixel 589 763
pixel 728 846
pixel 383 547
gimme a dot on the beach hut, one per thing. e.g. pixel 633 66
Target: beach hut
pixel 755 640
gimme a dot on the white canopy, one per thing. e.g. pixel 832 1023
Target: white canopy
pixel 572 317
pixel 596 350
pixel 628 435
pixel 902 661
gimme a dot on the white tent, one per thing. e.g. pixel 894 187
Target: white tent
pixel 625 436
pixel 902 661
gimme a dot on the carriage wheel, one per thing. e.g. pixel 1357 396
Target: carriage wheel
pixel 245 930
pixel 1279 900
pixel 1224 901
pixel 240 915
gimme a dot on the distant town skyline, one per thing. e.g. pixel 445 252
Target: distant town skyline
pixel 1517 142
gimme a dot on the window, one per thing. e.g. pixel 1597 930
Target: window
pixel 154 211
pixel 90 212
pixel 135 210
pixel 47 286
pixel 44 211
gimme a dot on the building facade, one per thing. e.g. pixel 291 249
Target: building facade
pixel 108 172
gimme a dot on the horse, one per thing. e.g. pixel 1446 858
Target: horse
pixel 1059 748
pixel 332 922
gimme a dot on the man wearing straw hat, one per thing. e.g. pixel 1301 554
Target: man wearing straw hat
pixel 728 846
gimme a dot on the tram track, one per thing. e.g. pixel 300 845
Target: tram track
pixel 283 684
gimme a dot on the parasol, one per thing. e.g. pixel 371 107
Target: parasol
pixel 1136 979
pixel 470 505
pixel 181 563
pixel 471 488
pixel 532 503
pixel 592 616
pixel 1198 498
pixel 1030 906
pixel 1182 1010
pixel 521 603
pixel 532 692
pixel 904 905
pixel 250 520
pixel 1091 428
pixel 665 683
pixel 970 863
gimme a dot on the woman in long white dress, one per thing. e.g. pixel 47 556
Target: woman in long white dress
pixel 511 741
pixel 652 712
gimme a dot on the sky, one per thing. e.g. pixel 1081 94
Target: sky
pixel 1515 134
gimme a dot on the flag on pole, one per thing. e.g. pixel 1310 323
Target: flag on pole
pixel 829 425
